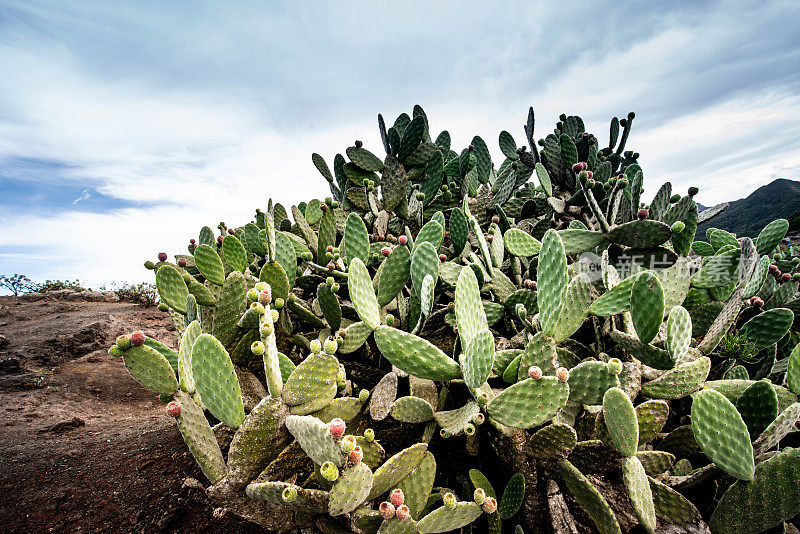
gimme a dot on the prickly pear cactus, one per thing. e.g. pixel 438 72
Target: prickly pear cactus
pixel 346 364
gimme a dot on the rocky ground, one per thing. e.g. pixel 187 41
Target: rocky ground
pixel 84 447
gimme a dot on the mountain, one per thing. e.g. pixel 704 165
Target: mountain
pixel 747 216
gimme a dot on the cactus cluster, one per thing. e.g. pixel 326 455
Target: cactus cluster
pixel 358 363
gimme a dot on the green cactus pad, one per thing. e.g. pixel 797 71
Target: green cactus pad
pixel 286 255
pixel 577 240
pixel 231 304
pixel 614 301
pixel 394 274
pixel 315 439
pixel 257 441
pixel 793 371
pixel 201 293
pixel 444 519
pixel 395 526
pixel 588 382
pixel 680 381
pixel 589 498
pixel 350 490
pixel 171 288
pixel 679 332
pixel 758 406
pixel 274 274
pixel 733 389
pixel 575 309
pixel 718 270
pixel 345 408
pixel 326 235
pixel 479 480
pixel 769 327
pixel 513 496
pixel 539 352
pixel 234 253
pixel 166 352
pixel 478 358
pixel 521 243
pixel 646 233
pixel 418 484
pixel 206 236
pixel 209 264
pixel 424 262
pixel 621 421
pixel 771 497
pixel 459 230
pixel 190 335
pixel 151 369
pixel 647 306
pixel 412 410
pixel 638 486
pixel 529 403
pixel 396 468
pixel 455 421
pixel 777 429
pixel 216 380
pixel 470 316
pixel 354 337
pixel 415 355
pixel 312 378
pixel 651 415
pixel 199 437
pixel 722 434
pixel 329 304
pixel 356 239
pixel 553 442
pixel 364 159
pixel 362 294
pixel 771 235
pixel 671 506
pixel 552 276
pixel 432 233
pixel 656 462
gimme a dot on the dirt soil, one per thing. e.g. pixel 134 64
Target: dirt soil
pixel 84 447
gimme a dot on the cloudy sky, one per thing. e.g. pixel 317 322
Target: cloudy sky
pixel 126 126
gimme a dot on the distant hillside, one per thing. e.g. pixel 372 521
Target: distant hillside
pixel 747 216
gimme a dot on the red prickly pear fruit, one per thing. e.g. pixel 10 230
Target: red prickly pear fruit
pixel 773 268
pixel 231 231
pixel 359 144
pixel 337 427
pixel 490 238
pixel 265 296
pixel 219 239
pixel 535 372
pixel 402 240
pixel 192 241
pixel 396 497
pixel 181 262
pixel 381 237
pixel 174 409
pixel 589 175
pixel 162 256
pixel 356 455
pixel 402 512
pixel 471 148
pixel 137 338
pixel 386 251
pixel 786 277
pixel 123 342
pixel 562 374
pixel 757 302
pixel 490 505
pixel 580 166
pixel 642 214
pixel 331 266
pixel 387 510
pixel 495 219
pixel 329 248
pixel 442 258
pixel 323 207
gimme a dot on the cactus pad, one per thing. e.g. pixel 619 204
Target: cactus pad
pixel 478 358
pixel 722 434
pixel 396 468
pixel 621 421
pixel 171 288
pixel 529 403
pixel 444 519
pixel 311 379
pixel 362 294
pixel 151 369
pixel 350 490
pixel 684 379
pixel 216 380
pixel 588 382
pixel 415 355
pixel 199 437
pixel 647 306
pixel 209 264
